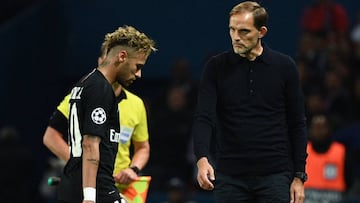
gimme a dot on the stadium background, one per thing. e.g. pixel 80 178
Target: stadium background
pixel 47 45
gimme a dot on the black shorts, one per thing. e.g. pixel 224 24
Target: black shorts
pixel 70 189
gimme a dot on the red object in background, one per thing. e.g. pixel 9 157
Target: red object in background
pixel 325 17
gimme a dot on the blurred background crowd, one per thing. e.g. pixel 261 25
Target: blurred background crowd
pixel 47 45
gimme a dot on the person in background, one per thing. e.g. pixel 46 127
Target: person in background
pixel 134 130
pixel 17 168
pixel 177 192
pixel 94 138
pixel 326 17
pixel 329 165
pixel 251 100
pixel 171 124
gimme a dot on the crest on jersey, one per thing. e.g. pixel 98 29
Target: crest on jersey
pixel 98 116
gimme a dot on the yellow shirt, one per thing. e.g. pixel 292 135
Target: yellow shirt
pixel 133 123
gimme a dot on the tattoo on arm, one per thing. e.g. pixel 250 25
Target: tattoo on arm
pixel 93 161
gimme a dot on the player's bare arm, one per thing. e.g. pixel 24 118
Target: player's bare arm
pixel 91 158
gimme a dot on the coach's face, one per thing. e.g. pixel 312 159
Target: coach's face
pixel 131 67
pixel 244 35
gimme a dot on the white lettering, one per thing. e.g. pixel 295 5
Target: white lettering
pixel 74 131
pixel 114 136
pixel 76 92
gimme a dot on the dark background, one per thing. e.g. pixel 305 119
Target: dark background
pixel 45 46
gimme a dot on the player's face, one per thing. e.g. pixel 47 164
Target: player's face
pixel 243 33
pixel 131 69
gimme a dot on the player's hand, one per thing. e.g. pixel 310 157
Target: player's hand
pixel 87 201
pixel 125 176
pixel 297 191
pixel 205 175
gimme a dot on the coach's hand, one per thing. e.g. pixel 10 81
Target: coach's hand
pixel 205 174
pixel 297 191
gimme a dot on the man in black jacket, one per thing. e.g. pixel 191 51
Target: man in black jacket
pixel 250 99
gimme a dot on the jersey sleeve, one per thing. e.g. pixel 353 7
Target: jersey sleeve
pixel 97 107
pixel 64 106
pixel 59 118
pixel 59 122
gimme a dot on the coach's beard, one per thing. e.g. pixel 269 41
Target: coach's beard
pixel 247 50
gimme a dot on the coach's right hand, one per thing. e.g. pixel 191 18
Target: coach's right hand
pixel 205 174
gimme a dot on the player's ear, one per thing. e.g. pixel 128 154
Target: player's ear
pixel 122 56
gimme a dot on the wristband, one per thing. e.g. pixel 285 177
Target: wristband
pixel 89 194
pixel 135 169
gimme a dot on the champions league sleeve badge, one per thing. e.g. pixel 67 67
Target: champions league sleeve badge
pixel 98 115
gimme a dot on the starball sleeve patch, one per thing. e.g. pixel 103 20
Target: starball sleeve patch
pixel 98 115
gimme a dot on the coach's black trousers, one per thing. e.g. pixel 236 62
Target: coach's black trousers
pixel 253 189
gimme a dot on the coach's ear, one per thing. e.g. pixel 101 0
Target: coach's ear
pixel 262 32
